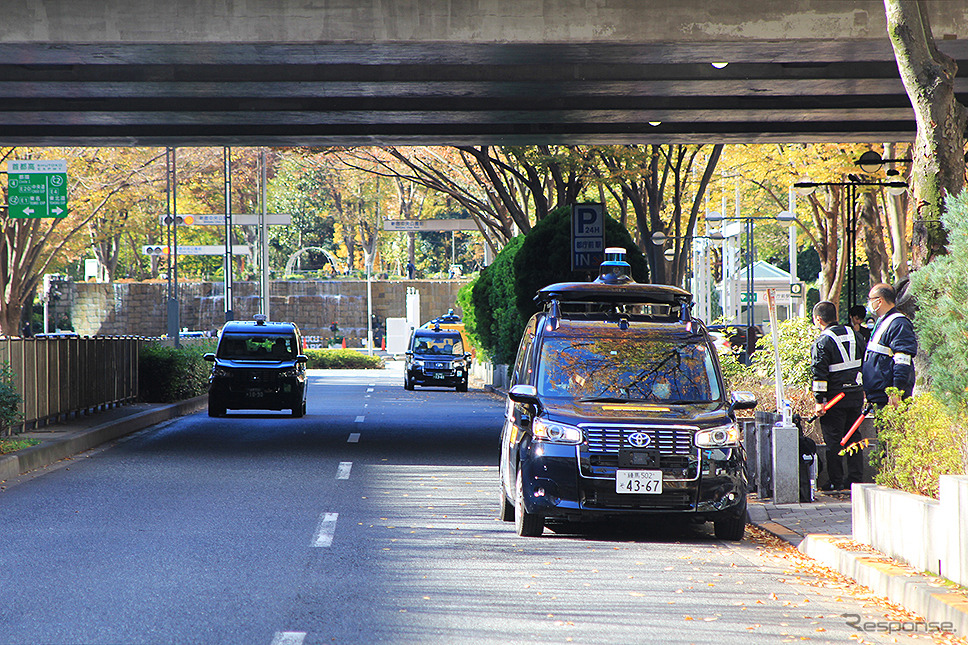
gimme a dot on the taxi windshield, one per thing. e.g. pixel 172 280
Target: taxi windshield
pixel 438 345
pixel 628 368
pixel 256 347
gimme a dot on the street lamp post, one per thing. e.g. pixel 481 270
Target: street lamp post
pixel 749 253
pixel 692 266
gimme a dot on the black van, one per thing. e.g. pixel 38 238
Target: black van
pixel 617 407
pixel 259 365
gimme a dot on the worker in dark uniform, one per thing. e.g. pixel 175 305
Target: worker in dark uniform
pixel 836 358
pixel 889 361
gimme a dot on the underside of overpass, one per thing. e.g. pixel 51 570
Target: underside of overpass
pixel 78 72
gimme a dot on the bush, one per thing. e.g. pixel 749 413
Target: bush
pixel 795 338
pixel 498 323
pixel 545 257
pixel 342 359
pixel 465 300
pixel 9 399
pixel 941 290
pixel 169 374
pixel 919 440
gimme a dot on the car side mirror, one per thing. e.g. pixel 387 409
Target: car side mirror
pixel 467 357
pixel 408 353
pixel 209 357
pixel 302 358
pixel 523 394
pixel 743 401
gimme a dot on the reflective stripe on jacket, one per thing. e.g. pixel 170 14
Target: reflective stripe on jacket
pixel 889 361
pixel 836 358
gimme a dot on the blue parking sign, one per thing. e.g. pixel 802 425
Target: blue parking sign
pixel 587 236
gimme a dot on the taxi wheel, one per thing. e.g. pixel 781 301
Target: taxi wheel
pixel 407 383
pixel 215 410
pixel 462 386
pixel 299 410
pixel 731 529
pixel 525 524
pixel 507 508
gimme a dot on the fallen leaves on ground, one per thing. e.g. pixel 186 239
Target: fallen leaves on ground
pixel 818 575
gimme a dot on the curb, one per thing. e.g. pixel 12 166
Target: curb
pixel 46 453
pixel 914 591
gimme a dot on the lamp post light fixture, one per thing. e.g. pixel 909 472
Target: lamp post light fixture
pixel 871 161
pixel 806 186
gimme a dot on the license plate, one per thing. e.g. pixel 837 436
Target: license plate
pixel 439 376
pixel 638 482
pixel 254 393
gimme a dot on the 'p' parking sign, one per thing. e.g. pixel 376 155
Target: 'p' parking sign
pixel 587 236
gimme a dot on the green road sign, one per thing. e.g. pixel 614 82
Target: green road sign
pixel 747 297
pixel 37 188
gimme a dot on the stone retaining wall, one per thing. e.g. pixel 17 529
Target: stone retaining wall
pixel 140 308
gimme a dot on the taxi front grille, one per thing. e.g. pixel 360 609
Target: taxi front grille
pixel 668 440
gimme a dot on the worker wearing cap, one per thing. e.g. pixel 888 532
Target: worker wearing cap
pixel 836 358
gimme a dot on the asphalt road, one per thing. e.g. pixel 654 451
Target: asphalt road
pixel 371 520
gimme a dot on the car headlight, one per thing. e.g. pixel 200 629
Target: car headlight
pixel 545 430
pixel 418 364
pixel 458 364
pixel 218 371
pixel 719 437
pixel 289 373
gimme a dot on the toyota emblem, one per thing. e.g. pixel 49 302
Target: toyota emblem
pixel 638 439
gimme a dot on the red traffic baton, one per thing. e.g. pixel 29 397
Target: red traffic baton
pixel 826 406
pixel 853 428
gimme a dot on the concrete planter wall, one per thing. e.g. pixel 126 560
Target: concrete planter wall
pixel 491 374
pixel 929 534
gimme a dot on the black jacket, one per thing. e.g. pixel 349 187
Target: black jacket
pixel 889 361
pixel 836 358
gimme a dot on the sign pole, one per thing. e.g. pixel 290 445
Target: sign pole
pixel 264 235
pixel 227 161
pixel 172 212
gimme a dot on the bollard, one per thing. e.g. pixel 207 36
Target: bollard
pixel 786 464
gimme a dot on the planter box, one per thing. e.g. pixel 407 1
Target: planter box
pixel 930 535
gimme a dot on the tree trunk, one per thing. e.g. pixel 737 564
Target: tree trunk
pixel 895 210
pixel 939 165
pixel 877 265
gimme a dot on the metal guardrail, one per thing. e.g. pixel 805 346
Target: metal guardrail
pixel 60 377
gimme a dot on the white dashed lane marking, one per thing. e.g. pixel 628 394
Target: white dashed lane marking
pixel 354 437
pixel 343 471
pixel 360 418
pixel 288 638
pixel 325 530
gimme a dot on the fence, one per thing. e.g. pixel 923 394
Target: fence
pixel 60 377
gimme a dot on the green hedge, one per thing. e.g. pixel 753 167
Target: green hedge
pixel 9 399
pixel 342 359
pixel 167 374
pixel 497 321
pixel 545 257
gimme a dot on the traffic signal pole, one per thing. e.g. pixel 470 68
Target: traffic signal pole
pixel 227 159
pixel 172 213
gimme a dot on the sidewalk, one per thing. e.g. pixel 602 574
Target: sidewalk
pixel 68 438
pixel 821 529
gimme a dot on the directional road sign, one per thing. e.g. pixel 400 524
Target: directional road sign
pixel 218 219
pixel 460 224
pixel 205 249
pixel 37 188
